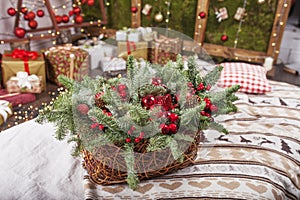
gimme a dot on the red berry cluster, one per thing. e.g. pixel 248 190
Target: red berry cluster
pixel 122 90
pixel 171 126
pixel 97 125
pixel 209 108
pixel 131 138
pixel 201 87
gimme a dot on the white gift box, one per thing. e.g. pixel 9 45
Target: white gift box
pixel 134 36
pixel 109 64
pixel 121 35
pixel 99 52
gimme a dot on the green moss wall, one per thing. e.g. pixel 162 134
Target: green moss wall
pixel 255 30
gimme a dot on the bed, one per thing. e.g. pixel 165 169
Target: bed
pixel 259 159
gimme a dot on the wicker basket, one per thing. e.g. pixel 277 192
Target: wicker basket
pixel 107 166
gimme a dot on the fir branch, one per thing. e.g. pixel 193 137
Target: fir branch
pixel 192 71
pixel 102 118
pixel 218 127
pixel 184 137
pixel 213 76
pixel 139 115
pixel 190 117
pixel 159 142
pixel 131 70
pixel 65 81
pixel 132 178
pixel 179 62
pixel 175 150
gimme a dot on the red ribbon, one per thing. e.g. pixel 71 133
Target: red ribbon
pixel 25 56
pixel 129 44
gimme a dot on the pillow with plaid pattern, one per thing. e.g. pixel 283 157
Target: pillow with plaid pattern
pixel 251 78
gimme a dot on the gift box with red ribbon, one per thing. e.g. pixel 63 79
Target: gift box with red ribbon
pixel 70 61
pixel 164 49
pixel 136 49
pixel 21 60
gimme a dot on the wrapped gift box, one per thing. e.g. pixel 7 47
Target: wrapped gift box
pixel 5 111
pixel 99 52
pixel 70 61
pixel 24 83
pixel 21 60
pixel 165 49
pixel 121 35
pixel 136 49
pixel 17 98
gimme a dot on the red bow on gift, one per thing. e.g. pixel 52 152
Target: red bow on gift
pixel 25 56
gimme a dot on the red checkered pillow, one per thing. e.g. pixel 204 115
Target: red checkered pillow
pixel 251 78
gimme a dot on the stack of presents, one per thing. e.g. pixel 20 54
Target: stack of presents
pixel 25 73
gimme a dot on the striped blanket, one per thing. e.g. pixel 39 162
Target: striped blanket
pixel 259 159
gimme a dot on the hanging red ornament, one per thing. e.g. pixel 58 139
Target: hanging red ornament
pixel 24 10
pixel 148 101
pixel 90 2
pixel 19 32
pixel 58 19
pixel 71 13
pixel 11 11
pixel 32 24
pixel 224 38
pixel 78 19
pixel 76 10
pixel 26 17
pixel 83 1
pixel 65 18
pixel 134 9
pixel 202 15
pixel 31 15
pixel 40 13
pixel 172 128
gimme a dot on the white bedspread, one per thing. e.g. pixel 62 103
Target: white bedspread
pixel 34 165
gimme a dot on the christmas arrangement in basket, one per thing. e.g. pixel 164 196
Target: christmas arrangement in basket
pixel 146 124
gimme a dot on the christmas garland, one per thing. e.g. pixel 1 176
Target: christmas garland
pixel 153 105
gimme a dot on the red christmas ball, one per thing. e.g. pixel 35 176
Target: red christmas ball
pixel 71 13
pixel 65 18
pixel 20 32
pixel 172 128
pixel 78 19
pixel 40 13
pixel 165 129
pixel 202 15
pixel 173 117
pixel 31 15
pixel 26 17
pixel 32 24
pixel 76 10
pixel 11 11
pixel 148 101
pixel 90 2
pixel 83 1
pixel 83 109
pixel 24 10
pixel 224 38
pixel 58 19
pixel 134 9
